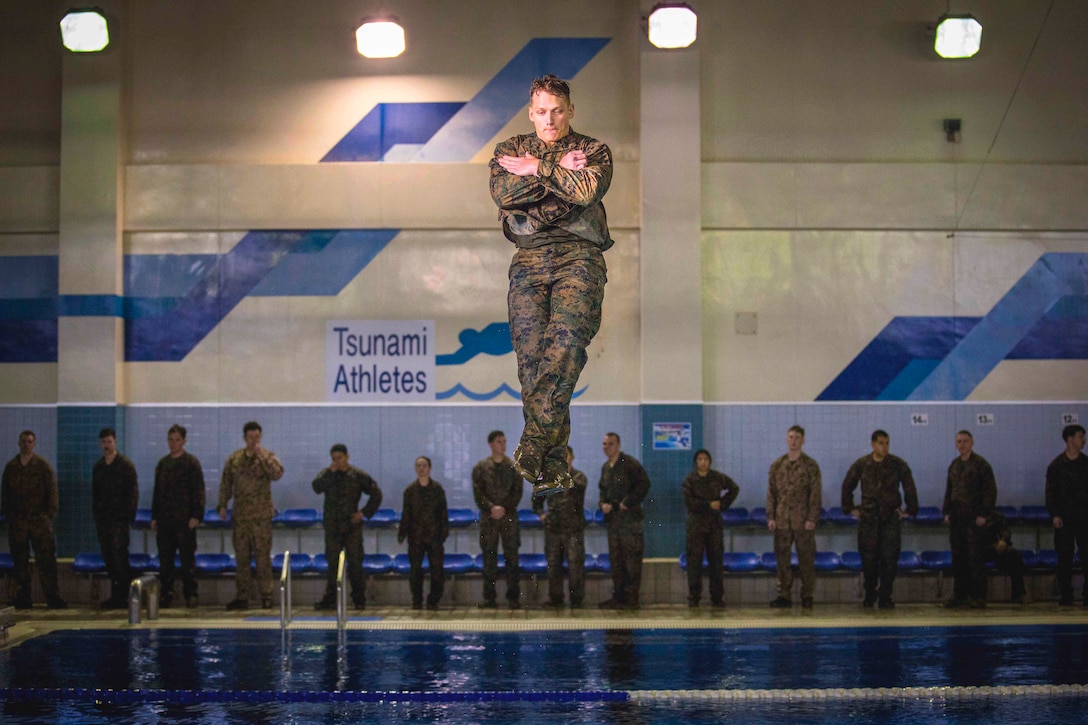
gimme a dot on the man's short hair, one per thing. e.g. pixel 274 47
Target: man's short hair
pixel 878 433
pixel 796 429
pixel 1071 430
pixel 494 434
pixel 701 452
pixel 570 451
pixel 107 433
pixel 551 85
pixel 965 432
pixel 28 433
pixel 338 448
pixel 251 425
pixel 610 434
pixel 179 429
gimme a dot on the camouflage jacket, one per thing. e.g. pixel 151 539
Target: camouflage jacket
pixel 701 491
pixel 880 486
pixel 29 492
pixel 794 492
pixel 971 490
pixel 342 490
pixel 424 517
pixel 179 490
pixel 566 510
pixel 497 484
pixel 555 196
pixel 1067 487
pixel 248 480
pixel 625 482
pixel 115 491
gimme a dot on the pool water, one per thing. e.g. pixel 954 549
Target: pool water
pixel 647 675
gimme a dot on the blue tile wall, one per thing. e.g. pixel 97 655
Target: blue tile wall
pixel 384 440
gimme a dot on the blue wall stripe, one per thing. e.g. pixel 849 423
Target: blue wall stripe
pixel 1052 277
pixel 325 270
pixel 90 305
pixel 507 94
pixel 28 341
pixel 29 276
pixel 390 124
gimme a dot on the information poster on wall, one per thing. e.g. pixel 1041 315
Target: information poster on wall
pixel 672 436
pixel 389 361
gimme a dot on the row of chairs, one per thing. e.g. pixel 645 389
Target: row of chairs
pixel 735 516
pixel 827 561
pixel 373 564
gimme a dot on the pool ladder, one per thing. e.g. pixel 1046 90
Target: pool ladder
pixel 285 593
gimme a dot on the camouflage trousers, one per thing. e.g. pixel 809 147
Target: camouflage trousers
pixel 350 541
pixel 176 536
pixel 704 537
pixel 113 540
pixel 569 543
pixel 805 541
pixel 968 546
pixel 491 532
pixel 625 548
pixel 253 539
pixel 555 298
pixel 22 534
pixel 879 542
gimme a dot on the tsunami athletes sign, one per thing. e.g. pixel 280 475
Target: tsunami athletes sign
pixel 379 360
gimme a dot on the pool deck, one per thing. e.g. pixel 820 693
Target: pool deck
pixel 40 620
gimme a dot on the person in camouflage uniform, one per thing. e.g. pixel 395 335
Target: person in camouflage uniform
pixel 706 494
pixel 565 537
pixel 343 486
pixel 969 495
pixel 177 508
pixel 497 488
pixel 29 500
pixel 115 496
pixel 548 186
pixel 424 522
pixel 1067 504
pixel 247 478
pixel 997 548
pixel 623 487
pixel 880 475
pixel 794 494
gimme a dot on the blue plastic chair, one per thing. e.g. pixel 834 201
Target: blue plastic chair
pixel 604 563
pixel 837 516
pixel 143 519
pixel 384 518
pixel 139 562
pixel 740 561
pixel 768 562
pixel 6 562
pixel 89 563
pixel 533 564
pixel 320 564
pixel 375 564
pixel 1035 515
pixel 211 519
pixel 461 518
pixel 300 519
pixel 528 519
pixel 759 516
pixel 827 561
pixel 300 563
pixel 851 561
pixel 1011 514
pixel 401 565
pixel 598 516
pixel 590 563
pixel 909 561
pixel 1029 559
pixel 478 561
pixel 936 560
pixel 215 563
pixel 1046 559
pixel 929 515
pixel 736 516
pixel 455 564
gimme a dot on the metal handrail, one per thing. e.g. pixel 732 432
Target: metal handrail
pixel 144 583
pixel 341 594
pixel 285 591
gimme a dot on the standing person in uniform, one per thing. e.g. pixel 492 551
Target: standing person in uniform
pixel 424 522
pixel 177 508
pixel 880 475
pixel 343 486
pixel 115 496
pixel 29 500
pixel 497 488
pixel 969 496
pixel 706 494
pixel 565 538
pixel 794 494
pixel 247 478
pixel 548 186
pixel 623 486
pixel 1067 502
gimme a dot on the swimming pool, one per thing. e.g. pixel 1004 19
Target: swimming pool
pixel 892 674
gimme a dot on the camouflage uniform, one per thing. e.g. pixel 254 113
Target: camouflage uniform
pixel 879 538
pixel 424 522
pixel 794 494
pixel 557 280
pixel 498 484
pixel 248 480
pixel 565 536
pixel 29 500
pixel 342 490
pixel 970 492
pixel 704 530
pixel 625 482
pixel 178 497
pixel 1009 560
pixel 1067 497
pixel 115 496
